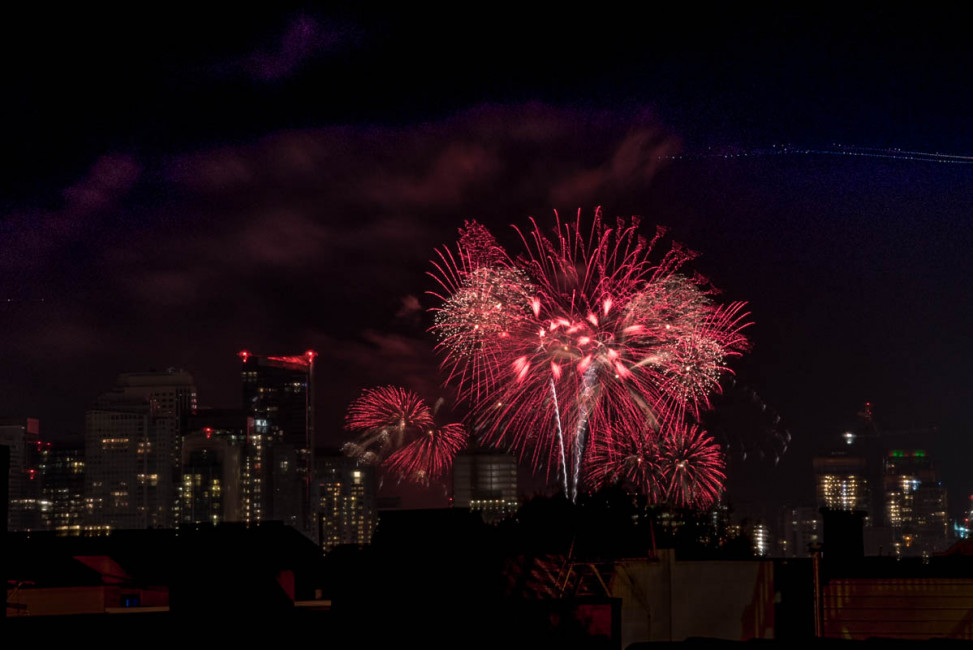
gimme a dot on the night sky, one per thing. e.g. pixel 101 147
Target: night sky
pixel 182 186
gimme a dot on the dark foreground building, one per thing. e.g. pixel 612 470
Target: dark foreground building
pixel 558 575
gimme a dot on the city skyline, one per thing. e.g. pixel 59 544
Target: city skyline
pixel 848 450
pixel 279 183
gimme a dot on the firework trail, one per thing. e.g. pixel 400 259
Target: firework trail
pixel 578 339
pixel 889 153
pixel 747 427
pixel 397 430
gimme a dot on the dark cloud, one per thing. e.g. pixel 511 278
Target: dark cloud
pixel 633 165
pixel 299 238
pixel 302 39
pixel 109 179
pixel 36 239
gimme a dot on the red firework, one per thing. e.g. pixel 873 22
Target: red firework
pixel 397 430
pixel 578 338
pixel 632 460
pixel 692 466
pixel 429 456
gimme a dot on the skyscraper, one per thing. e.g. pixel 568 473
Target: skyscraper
pixel 62 473
pixel 22 437
pixel 842 483
pixel 344 500
pixel 212 486
pixel 132 450
pixel 915 501
pixel 800 527
pixel 485 480
pixel 279 409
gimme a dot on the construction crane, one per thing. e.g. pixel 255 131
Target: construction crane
pixel 867 428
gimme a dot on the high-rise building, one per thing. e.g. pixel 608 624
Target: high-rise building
pixel 799 527
pixel 212 486
pixel 963 529
pixel 916 504
pixel 132 450
pixel 344 493
pixel 842 481
pixel 485 480
pixel 62 486
pixel 278 464
pixel 22 437
pixel 760 536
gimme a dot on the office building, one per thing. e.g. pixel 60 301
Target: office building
pixel 485 480
pixel 132 451
pixel 916 503
pixel 800 528
pixel 279 460
pixel 21 436
pixel 345 506
pixel 62 488
pixel 841 481
pixel 212 486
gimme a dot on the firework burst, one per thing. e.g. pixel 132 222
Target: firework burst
pixel 429 456
pixel 582 336
pixel 397 430
pixel 633 460
pixel 692 467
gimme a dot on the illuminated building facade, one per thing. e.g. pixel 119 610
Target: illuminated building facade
pixel 916 503
pixel 842 482
pixel 279 459
pixel 485 480
pixel 132 451
pixel 62 487
pixel 22 438
pixel 344 500
pixel 212 486
pixel 760 538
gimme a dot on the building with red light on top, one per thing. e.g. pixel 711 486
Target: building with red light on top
pixel 212 485
pixel 22 437
pixel 279 461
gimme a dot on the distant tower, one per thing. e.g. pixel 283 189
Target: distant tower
pixel 964 529
pixel 760 539
pixel 842 481
pixel 132 450
pixel 344 494
pixel 800 528
pixel 485 480
pixel 212 485
pixel 915 503
pixel 62 471
pixel 22 437
pixel 279 409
